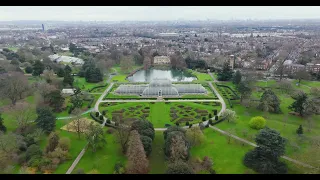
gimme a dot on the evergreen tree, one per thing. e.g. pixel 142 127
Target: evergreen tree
pixel 2 127
pixel 56 100
pixel 95 137
pixel 93 75
pixel 38 68
pixel 179 167
pixel 28 69
pixel 68 79
pixel 237 77
pixel 300 130
pixel 46 120
pixel 298 105
pixel 269 102
pixel 60 72
pixel 244 88
pixel 53 142
pixel 265 157
pixel 67 69
pixel 226 73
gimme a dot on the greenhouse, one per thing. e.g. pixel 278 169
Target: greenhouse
pixel 161 87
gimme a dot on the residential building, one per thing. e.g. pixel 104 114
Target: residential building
pixel 161 60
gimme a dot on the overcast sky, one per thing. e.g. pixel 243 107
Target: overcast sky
pixel 143 13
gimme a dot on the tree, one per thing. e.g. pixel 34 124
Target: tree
pixel 269 102
pixel 48 75
pixel 179 167
pixel 177 61
pixel 265 157
pixel 95 137
pixel 228 115
pixel 226 73
pixel 176 146
pixel 126 63
pixel 3 128
pixel 299 104
pixel 46 119
pixel 56 100
pixel 64 144
pixel 38 68
pixel 76 101
pixel 13 85
pixel 257 122
pixel 53 142
pixel 147 144
pixel 236 78
pixel 79 125
pixel 33 151
pixel 146 63
pixel 23 114
pixel 67 69
pixel 68 79
pixel 144 127
pixel 60 72
pixel 137 160
pixel 29 69
pixel 93 75
pixel 123 133
pixel 302 75
pixel 195 136
pixel 245 89
pixel 300 130
pixel 285 86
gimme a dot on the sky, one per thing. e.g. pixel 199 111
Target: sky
pixel 156 13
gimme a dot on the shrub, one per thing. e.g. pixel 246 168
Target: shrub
pixel 187 123
pixel 29 69
pixel 207 125
pixel 116 124
pixel 190 125
pixel 300 130
pixel 177 124
pixel 108 121
pixel 210 116
pixel 119 168
pixel 179 167
pixel 64 143
pixel 97 114
pixel 22 158
pixel 210 121
pixel 203 118
pixel 104 112
pixel 215 112
pixel 216 118
pixel 257 122
pixel 33 151
pixel 101 117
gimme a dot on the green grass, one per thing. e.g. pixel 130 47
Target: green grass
pixel 202 76
pixel 157 161
pixel 227 158
pixel 103 159
pixel 65 53
pixel 309 83
pixel 83 85
pixel 118 68
pixel 119 78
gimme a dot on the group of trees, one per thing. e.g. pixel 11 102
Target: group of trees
pixel 226 73
pixel 177 61
pixel 305 105
pixel 91 72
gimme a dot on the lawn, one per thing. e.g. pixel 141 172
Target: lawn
pixel 83 85
pixel 103 159
pixel 119 71
pixel 202 76
pixel 119 78
pixel 171 112
pixel 157 161
pixel 227 158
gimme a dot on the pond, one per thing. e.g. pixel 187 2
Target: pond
pixel 171 74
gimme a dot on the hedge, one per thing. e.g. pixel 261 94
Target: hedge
pixel 230 89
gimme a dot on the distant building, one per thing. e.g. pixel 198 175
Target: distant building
pixel 67 92
pixel 168 34
pixel 43 27
pixel 292 68
pixel 66 59
pixel 161 60
pixel 310 67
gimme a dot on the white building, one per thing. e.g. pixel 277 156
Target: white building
pixel 161 60
pixel 67 91
pixel 66 59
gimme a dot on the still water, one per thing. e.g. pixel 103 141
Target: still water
pixel 172 74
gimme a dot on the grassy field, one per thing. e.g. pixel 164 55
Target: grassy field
pixel 170 112
pixel 157 161
pixel 83 85
pixel 227 158
pixel 103 159
pixel 119 78
pixel 202 76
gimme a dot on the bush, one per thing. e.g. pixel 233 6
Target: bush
pixel 97 114
pixel 104 112
pixel 64 144
pixel 179 167
pixel 203 118
pixel 33 151
pixel 177 124
pixel 190 125
pixel 22 158
pixel 119 168
pixel 216 118
pixel 210 121
pixel 215 112
pixel 210 116
pixel 29 69
pixel 116 124
pixel 207 125
pixel 108 121
pixel 257 122
pixel 101 117
pixel 187 123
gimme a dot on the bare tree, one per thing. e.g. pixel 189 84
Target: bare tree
pixel 13 85
pixel 126 64
pixel 44 89
pixel 24 114
pixel 146 63
pixel 79 125
pixel 48 75
pixel 302 75
pixel 122 134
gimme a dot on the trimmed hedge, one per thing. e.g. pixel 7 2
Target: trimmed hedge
pixel 97 87
pixel 230 89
